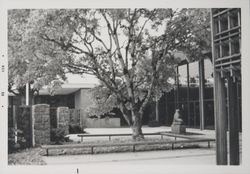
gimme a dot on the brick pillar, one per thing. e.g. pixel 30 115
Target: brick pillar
pixel 63 118
pixel 41 124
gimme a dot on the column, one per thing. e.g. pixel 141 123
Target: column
pixel 188 102
pixel 220 119
pixel 201 93
pixel 41 124
pixel 157 111
pixel 27 94
pixel 177 87
pixel 63 118
pixel 233 122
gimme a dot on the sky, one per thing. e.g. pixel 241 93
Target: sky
pixel 76 78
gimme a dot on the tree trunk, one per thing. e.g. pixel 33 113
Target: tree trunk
pixel 125 115
pixel 137 125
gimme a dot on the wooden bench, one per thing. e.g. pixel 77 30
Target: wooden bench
pixel 111 135
pixel 133 144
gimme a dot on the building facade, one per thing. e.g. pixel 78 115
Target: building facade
pixel 226 49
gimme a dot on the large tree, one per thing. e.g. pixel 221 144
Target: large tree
pixel 131 51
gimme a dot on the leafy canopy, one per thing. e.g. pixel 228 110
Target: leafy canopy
pixel 131 51
pixel 31 60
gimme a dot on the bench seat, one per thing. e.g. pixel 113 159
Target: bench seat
pixel 111 135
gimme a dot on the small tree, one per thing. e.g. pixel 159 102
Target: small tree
pixel 131 51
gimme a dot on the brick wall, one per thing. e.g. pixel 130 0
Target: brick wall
pixel 63 118
pixel 41 124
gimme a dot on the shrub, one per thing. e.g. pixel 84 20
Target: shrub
pixel 153 124
pixel 57 135
pixel 74 129
pixel 12 145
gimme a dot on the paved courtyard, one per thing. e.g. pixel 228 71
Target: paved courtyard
pixel 145 129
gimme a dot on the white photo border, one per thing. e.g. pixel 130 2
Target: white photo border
pixel 90 168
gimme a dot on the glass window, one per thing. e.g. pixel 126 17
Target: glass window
pixel 208 72
pixel 235 45
pixel 234 19
pixel 224 22
pixel 194 74
pixel 216 26
pixel 217 51
pixel 225 48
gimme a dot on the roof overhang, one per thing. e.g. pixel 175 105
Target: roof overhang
pixel 67 89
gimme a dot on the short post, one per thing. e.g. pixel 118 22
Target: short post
pixel 133 148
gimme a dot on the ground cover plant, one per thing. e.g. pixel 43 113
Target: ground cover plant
pixel 19 143
pixel 31 156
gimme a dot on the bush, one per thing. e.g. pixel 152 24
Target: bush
pixel 153 124
pixel 12 145
pixel 57 135
pixel 75 129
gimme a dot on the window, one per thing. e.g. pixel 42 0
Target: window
pixel 235 45
pixel 234 19
pixel 217 51
pixel 224 22
pixel 225 48
pixel 216 25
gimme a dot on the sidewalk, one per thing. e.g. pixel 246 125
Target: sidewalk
pixel 203 156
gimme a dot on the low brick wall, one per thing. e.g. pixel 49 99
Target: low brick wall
pixel 103 123
pixel 63 118
pixel 41 124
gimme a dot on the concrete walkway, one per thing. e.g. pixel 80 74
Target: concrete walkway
pixel 201 156
pixel 204 156
pixel 145 129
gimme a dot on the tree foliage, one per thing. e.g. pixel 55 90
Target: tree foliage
pixel 131 51
pixel 31 60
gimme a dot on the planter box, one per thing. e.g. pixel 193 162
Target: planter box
pixel 103 123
